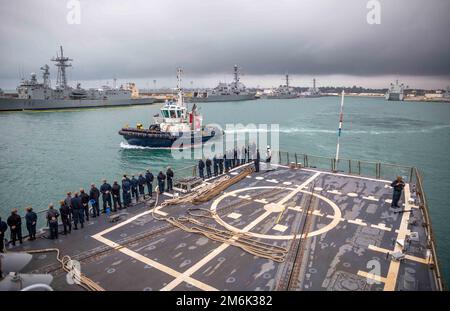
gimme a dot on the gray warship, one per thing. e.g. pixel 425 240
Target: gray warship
pixel 234 91
pixel 306 223
pixel 35 95
pixel 312 91
pixel 395 92
pixel 282 92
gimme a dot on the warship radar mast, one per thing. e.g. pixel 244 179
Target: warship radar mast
pixel 46 75
pixel 62 62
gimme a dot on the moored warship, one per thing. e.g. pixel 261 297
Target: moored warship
pixel 282 92
pixel 312 91
pixel 35 95
pixel 234 91
pixel 395 92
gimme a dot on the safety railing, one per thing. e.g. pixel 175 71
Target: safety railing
pixel 365 168
pixel 377 170
pixel 423 206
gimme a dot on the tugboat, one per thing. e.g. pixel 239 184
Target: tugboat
pixel 175 125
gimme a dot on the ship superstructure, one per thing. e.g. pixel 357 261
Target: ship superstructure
pixel 284 91
pixel 234 91
pixel 395 91
pixel 312 91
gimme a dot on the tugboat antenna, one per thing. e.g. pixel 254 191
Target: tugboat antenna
pixel 180 92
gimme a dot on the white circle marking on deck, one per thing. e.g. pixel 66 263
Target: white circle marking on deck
pixel 335 219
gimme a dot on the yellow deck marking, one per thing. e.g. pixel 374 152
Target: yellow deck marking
pixel 394 266
pixel 280 228
pixel 381 226
pixel 370 198
pixel 357 221
pixel 225 245
pixel 234 215
pixel 372 276
pixel 408 257
pixel 153 263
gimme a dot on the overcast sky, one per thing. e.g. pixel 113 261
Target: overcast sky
pixel 143 40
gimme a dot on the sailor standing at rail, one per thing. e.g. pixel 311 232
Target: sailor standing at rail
pixel 220 165
pixel 169 174
pixel 235 157
pixel 245 154
pixel 256 161
pixel 52 218
pixel 208 167
pixel 3 228
pixel 15 227
pixel 77 211
pixel 134 188
pixel 149 180
pixel 31 219
pixel 268 157
pixel 126 188
pixel 94 195
pixel 85 202
pixel 115 191
pixel 161 180
pixel 215 166
pixel 142 183
pixel 105 189
pixel 398 186
pixel 201 169
pixel 66 216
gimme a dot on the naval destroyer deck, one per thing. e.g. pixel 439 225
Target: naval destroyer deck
pixel 338 230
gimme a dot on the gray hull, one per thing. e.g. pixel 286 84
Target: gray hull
pixel 286 96
pixel 7 104
pixel 221 98
pixel 394 96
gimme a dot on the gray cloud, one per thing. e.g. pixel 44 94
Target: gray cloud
pixel 142 39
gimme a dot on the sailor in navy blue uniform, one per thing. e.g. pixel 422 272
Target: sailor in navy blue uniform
pixel 105 189
pixel 398 186
pixel 208 167
pixel 149 180
pixel 201 169
pixel 134 188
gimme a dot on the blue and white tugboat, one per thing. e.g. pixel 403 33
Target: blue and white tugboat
pixel 175 125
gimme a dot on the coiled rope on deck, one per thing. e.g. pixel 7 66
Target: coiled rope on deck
pixel 236 238
pixel 67 265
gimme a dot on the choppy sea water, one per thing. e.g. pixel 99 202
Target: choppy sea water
pixel 45 154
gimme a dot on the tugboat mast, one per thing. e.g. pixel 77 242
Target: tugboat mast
pixel 61 62
pixel 180 91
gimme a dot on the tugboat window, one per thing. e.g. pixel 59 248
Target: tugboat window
pixel 172 114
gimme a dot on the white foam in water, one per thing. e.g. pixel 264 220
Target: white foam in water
pixel 125 145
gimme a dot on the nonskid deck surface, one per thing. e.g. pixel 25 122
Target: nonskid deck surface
pixel 346 224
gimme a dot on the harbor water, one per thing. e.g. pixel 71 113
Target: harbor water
pixel 45 154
